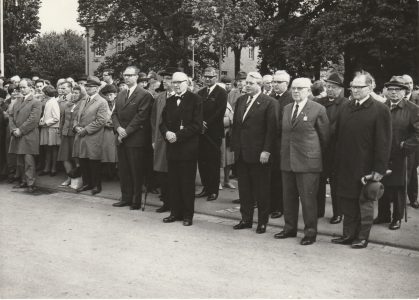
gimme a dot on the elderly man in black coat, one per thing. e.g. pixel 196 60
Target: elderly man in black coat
pixel 362 148
pixel 405 140
pixel 333 102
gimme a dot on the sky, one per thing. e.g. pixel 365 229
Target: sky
pixel 58 15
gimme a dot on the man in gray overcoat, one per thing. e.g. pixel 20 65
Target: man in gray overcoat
pixel 24 130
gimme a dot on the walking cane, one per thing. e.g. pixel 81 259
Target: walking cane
pixel 145 196
pixel 405 188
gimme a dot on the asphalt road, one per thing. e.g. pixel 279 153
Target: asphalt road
pixel 76 246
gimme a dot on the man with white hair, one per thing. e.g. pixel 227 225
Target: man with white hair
pixel 253 138
pixel 181 126
pixel 267 84
pixel 305 134
pixel 283 96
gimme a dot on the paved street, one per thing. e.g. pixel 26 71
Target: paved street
pixel 66 245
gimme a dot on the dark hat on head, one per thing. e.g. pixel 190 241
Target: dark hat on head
pixel 82 77
pixel 241 75
pixel 226 79
pixel 152 74
pixel 335 79
pixel 92 81
pixel 397 81
pixel 142 77
pixel 169 71
pixel 109 88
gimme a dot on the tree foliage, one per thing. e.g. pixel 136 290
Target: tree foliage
pixel 21 24
pixel 57 55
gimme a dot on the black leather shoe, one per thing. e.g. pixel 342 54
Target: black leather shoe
pixel 243 225
pixel 170 219
pixel 187 222
pixel 276 214
pixel 379 220
pixel 84 188
pixel 284 234
pixel 30 189
pixel 162 209
pixel 203 193
pixel 135 206
pixel 414 204
pixel 96 190
pixel 121 204
pixel 308 240
pixel 236 201
pixel 359 244
pixel 21 185
pixel 212 197
pixel 261 228
pixel 335 220
pixel 343 240
pixel 394 225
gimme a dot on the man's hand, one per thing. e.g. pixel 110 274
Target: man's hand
pixel 82 132
pixel 171 137
pixel 121 132
pixel 376 176
pixel 17 132
pixel 119 139
pixel 264 157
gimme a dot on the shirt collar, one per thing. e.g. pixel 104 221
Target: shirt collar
pixel 211 88
pixel 131 90
pixel 362 100
pixel 301 104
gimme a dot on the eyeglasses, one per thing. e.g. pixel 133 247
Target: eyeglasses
pixel 129 75
pixel 332 87
pixel 278 82
pixel 298 88
pixel 394 89
pixel 210 76
pixel 178 82
pixel 355 88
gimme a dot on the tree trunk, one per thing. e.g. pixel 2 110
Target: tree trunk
pixel 237 54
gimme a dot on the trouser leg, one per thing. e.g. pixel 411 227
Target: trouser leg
pixel 291 201
pixel 351 219
pixel 308 184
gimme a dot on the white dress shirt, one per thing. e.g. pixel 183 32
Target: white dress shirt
pixel 301 105
pixel 251 103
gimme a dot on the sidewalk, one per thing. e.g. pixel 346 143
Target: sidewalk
pixel 406 237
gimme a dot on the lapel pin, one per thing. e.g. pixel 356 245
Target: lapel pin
pixel 305 118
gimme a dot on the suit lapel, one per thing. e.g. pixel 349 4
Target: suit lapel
pixel 303 114
pixel 131 97
pixel 254 107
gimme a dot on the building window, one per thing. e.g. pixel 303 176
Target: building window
pixel 224 73
pixel 99 52
pixel 120 46
pixel 252 53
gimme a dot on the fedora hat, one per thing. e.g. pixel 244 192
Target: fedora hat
pixel 93 81
pixel 241 75
pixel 335 79
pixel 397 81
pixel 169 71
pixel 372 191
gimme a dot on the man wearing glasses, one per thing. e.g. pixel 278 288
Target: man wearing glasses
pixel 363 145
pixel 213 109
pixel 23 123
pixel 283 97
pixel 107 76
pixel 305 135
pixel 405 141
pixel 181 126
pixel 333 102
pixel 131 118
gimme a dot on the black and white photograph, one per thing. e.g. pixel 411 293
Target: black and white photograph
pixel 209 149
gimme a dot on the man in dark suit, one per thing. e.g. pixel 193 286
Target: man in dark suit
pixel 181 126
pixel 363 148
pixel 253 139
pixel 412 188
pixel 405 141
pixel 305 134
pixel 333 103
pixel 283 97
pixel 131 118
pixel 209 160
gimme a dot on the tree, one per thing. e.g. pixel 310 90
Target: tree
pixel 160 27
pixel 57 55
pixel 226 24
pixel 21 24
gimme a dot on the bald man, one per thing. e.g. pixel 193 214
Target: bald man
pixel 305 134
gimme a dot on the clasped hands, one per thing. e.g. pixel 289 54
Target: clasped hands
pixel 81 131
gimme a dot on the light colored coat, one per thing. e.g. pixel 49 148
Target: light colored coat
pixel 51 117
pixel 25 116
pixel 92 117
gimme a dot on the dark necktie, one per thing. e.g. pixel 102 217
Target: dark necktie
pixel 64 98
pixel 393 106
pixel 178 100
pixel 357 104
pixel 294 115
pixel 249 100
pixel 126 100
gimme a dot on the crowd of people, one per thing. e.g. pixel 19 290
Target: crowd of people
pixel 283 139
